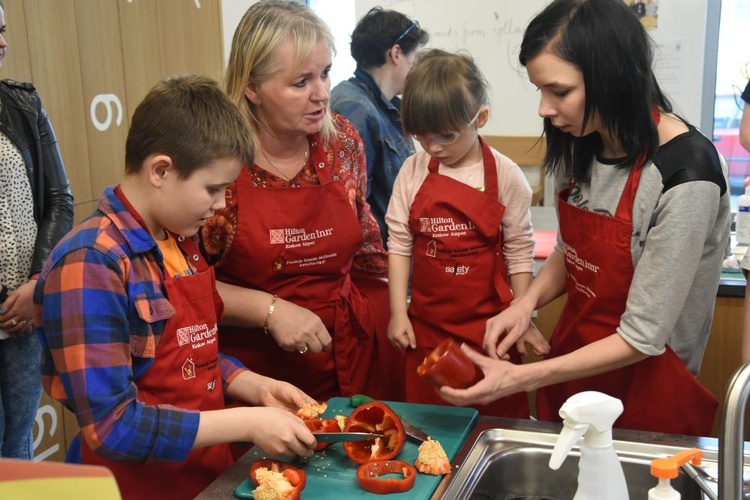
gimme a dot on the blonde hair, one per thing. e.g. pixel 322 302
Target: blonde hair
pixel 252 60
pixel 442 92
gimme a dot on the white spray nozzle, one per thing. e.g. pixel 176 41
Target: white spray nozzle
pixel 587 413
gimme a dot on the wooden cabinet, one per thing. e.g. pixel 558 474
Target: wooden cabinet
pixel 92 61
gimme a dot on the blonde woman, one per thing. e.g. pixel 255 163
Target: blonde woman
pixel 297 235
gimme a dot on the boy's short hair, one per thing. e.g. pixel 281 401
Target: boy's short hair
pixel 191 120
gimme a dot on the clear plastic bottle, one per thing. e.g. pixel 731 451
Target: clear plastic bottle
pixel 742 227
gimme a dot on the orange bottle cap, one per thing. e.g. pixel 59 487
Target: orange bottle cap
pixel 666 468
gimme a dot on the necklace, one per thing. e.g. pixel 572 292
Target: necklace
pixel 278 170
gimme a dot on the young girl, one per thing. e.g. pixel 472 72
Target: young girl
pixel 460 214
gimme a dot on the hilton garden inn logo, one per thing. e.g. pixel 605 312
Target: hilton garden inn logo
pixel 443 224
pixel 297 235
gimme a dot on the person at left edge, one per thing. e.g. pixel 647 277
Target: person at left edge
pixel 36 210
pixel 127 311
pixel 297 233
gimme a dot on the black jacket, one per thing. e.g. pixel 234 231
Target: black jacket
pixel 24 121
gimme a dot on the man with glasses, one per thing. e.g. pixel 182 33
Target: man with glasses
pixel 384 45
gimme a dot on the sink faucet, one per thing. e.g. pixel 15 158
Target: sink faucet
pixel 731 439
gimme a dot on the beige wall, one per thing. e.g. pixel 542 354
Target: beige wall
pixel 92 61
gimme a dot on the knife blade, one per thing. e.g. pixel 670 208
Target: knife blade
pixel 339 437
pixel 415 433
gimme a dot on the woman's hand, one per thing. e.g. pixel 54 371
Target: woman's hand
pixel 534 338
pixel 400 332
pixel 511 324
pixel 501 378
pixel 295 328
pixel 17 315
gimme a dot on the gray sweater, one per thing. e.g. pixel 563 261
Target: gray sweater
pixel 681 224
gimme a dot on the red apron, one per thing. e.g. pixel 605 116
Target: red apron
pixel 299 243
pixel 659 393
pixel 184 374
pixel 459 275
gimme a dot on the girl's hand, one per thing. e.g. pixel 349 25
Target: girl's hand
pixel 501 378
pixel 17 316
pixel 535 339
pixel 295 328
pixel 400 332
pixel 511 324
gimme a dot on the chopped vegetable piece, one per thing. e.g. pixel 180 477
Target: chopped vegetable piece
pixel 341 419
pixel 312 410
pixel 368 476
pixel 277 480
pixel 322 425
pixel 378 417
pixel 432 459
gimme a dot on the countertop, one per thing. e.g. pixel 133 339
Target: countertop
pixel 223 487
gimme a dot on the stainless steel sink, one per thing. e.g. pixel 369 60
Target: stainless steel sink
pixel 510 464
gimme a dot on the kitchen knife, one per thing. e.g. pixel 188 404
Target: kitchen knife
pixel 415 433
pixel 339 437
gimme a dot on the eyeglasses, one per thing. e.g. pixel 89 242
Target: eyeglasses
pixel 415 24
pixel 445 138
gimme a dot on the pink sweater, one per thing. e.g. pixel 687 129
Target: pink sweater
pixel 514 193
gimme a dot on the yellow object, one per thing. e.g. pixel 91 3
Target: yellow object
pixel 54 480
pixel 667 468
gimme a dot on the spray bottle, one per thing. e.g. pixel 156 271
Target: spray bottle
pixel 591 414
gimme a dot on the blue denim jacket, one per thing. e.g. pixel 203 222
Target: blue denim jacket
pixel 378 121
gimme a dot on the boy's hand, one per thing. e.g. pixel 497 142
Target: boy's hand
pixel 400 332
pixel 284 395
pixel 280 433
pixel 295 328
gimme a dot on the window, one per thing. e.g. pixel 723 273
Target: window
pixel 732 73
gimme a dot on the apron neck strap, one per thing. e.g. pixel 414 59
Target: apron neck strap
pixel 490 169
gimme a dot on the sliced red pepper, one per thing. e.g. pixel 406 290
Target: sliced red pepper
pixel 368 476
pixel 378 417
pixel 322 425
pixel 294 475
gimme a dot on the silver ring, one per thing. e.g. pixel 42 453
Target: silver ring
pixel 13 321
pixel 303 351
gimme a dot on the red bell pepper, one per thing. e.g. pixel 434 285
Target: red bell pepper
pixel 375 416
pixel 322 425
pixel 368 476
pixel 448 365
pixel 296 476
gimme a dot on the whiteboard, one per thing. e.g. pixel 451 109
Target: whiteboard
pixel 492 30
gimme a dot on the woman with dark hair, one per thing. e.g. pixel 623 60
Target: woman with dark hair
pixel 384 44
pixel 643 211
